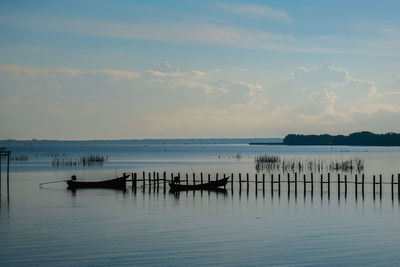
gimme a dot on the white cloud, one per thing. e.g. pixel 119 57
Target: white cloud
pixel 117 75
pixel 170 76
pixel 22 72
pixel 328 95
pixel 253 88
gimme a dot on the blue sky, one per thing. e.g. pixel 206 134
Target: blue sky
pixel 181 69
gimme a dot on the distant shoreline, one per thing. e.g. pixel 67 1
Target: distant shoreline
pixel 178 141
pixel 353 139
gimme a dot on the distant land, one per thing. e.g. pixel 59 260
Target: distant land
pixel 179 141
pixel 354 139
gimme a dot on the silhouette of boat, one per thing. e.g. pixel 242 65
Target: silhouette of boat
pixel 212 185
pixel 116 183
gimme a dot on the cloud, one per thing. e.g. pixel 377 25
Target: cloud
pixel 198 33
pixel 214 32
pixel 19 71
pixel 326 95
pixel 253 88
pixel 251 10
pixel 170 76
pixel 117 75
pixel 164 74
pixel 173 102
pixel 22 72
pixel 172 31
pixel 208 89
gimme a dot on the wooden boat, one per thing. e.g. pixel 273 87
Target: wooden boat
pixel 212 185
pixel 116 183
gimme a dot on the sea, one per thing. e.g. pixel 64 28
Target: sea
pixel 253 225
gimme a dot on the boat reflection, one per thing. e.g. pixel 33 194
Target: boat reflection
pixel 217 190
pixel 117 190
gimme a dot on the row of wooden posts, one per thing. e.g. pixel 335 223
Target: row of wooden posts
pixel 154 180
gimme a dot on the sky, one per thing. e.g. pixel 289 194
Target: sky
pixel 198 69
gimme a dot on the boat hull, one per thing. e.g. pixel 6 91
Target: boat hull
pixel 117 183
pixel 213 185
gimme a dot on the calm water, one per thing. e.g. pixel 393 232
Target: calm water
pixel 53 226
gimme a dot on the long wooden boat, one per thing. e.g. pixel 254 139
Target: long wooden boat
pixel 212 185
pixel 116 183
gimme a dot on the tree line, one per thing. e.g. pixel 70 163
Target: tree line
pixel 354 139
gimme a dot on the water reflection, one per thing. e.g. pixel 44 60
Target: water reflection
pixel 218 191
pixel 74 191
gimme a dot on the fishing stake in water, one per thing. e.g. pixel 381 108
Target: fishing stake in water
pixel 52 182
pixel 73 177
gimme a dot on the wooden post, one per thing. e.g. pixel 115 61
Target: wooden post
pixel 338 177
pixel 304 182
pixel 172 177
pixel 247 179
pixel 288 183
pixel 272 183
pixel 263 182
pixel 312 183
pixel 201 178
pixel 398 185
pixel 322 182
pixel 144 180
pixel 8 173
pixel 256 181
pixel 345 184
pixel 240 183
pixel 209 177
pixel 373 183
pixel 279 183
pixel 187 179
pixel 216 177
pixel 362 184
pixel 295 182
pixel 158 180
pixel 232 182
pixel 194 179
pixel 329 183
pixel 154 179
pixel 380 185
pixel 355 184
pixel 135 180
pixel 134 183
pixel 165 180
pixel 179 177
pixel 391 184
pixel 149 180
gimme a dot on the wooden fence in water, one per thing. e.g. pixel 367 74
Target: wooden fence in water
pixel 155 180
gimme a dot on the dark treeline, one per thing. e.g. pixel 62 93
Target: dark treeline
pixel 354 139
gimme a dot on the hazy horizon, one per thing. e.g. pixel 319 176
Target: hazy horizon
pixel 158 140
